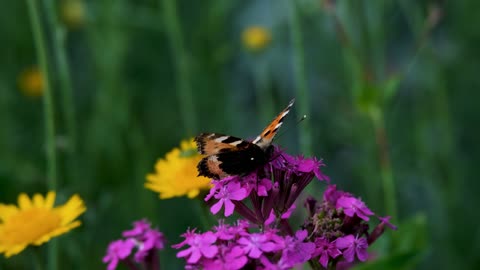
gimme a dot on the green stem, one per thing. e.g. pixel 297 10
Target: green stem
pixel 41 50
pixel 184 86
pixel 64 78
pixel 388 182
pixel 300 78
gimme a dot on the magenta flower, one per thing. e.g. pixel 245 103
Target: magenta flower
pixel 118 251
pixel 227 193
pixel 255 244
pixel 352 206
pixel 295 251
pixel 230 259
pixel 331 194
pixel 152 240
pixel 147 240
pixel 325 250
pixel 308 165
pixel 201 245
pixel 351 245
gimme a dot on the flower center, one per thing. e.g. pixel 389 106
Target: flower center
pixel 28 226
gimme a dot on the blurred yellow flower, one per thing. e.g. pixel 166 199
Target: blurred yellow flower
pixel 73 13
pixel 35 221
pixel 256 38
pixel 176 174
pixel 30 82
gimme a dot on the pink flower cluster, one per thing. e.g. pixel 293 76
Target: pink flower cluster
pixel 144 239
pixel 335 231
pixel 237 246
pixel 273 188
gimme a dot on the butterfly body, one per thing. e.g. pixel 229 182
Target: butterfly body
pixel 227 155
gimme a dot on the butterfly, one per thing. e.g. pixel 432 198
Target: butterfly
pixel 227 155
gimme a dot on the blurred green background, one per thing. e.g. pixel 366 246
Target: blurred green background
pixel 388 88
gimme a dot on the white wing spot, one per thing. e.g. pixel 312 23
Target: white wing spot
pixel 236 143
pixel 220 139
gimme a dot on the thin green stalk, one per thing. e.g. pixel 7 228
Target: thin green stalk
pixel 386 171
pixel 184 86
pixel 300 78
pixel 41 50
pixel 64 78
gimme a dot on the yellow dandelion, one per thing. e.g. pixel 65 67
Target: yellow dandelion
pixel 73 13
pixel 30 82
pixel 35 221
pixel 256 38
pixel 176 174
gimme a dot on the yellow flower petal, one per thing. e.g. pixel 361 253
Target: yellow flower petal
pixel 24 202
pixel 176 174
pixel 36 223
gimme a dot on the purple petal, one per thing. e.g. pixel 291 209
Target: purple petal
pixel 386 221
pixel 255 253
pixel 229 207
pixel 349 254
pixel 344 242
pixel 324 259
pixel 209 251
pixel 184 253
pixel 301 234
pixel 195 256
pixel 216 207
pixel 238 194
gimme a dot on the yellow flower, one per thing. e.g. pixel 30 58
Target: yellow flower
pixel 256 38
pixel 30 82
pixel 73 13
pixel 176 174
pixel 35 221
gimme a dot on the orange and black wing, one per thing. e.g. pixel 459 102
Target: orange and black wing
pixel 214 143
pixel 229 163
pixel 265 138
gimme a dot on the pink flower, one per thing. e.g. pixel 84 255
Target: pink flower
pixel 152 240
pixel 227 193
pixel 295 251
pixel 326 250
pixel 352 206
pixel 117 251
pixel 331 194
pixel 351 245
pixel 228 232
pixel 230 259
pixel 255 244
pixel 139 228
pixel 201 245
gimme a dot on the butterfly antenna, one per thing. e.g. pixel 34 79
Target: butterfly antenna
pixel 288 129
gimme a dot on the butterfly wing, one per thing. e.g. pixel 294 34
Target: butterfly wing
pixel 265 138
pixel 214 143
pixel 236 162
